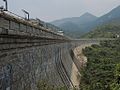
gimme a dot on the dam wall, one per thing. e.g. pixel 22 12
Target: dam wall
pixel 30 53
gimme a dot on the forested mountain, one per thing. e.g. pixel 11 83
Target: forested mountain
pixel 104 31
pixel 115 13
pixel 87 22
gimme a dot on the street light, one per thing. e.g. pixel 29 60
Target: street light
pixel 6 5
pixel 26 13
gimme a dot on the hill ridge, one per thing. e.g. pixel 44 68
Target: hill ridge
pixel 86 22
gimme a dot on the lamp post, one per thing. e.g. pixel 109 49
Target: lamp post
pixel 26 13
pixel 6 5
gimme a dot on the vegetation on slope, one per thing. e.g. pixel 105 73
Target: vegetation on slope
pixel 105 31
pixel 102 71
pixel 44 85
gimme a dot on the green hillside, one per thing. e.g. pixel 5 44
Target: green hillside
pixel 102 71
pixel 104 31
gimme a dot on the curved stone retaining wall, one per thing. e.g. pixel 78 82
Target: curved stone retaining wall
pixel 29 54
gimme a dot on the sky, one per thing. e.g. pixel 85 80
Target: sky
pixel 50 10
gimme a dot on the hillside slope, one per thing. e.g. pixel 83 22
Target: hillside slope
pixel 102 71
pixel 104 31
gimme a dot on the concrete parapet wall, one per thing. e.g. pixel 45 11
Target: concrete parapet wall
pixel 15 26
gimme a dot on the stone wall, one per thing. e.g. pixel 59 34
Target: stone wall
pixel 52 63
pixel 29 65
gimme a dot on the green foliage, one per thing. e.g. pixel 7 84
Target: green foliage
pixel 104 31
pixel 44 85
pixel 103 67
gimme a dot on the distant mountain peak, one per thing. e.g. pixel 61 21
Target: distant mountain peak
pixel 88 15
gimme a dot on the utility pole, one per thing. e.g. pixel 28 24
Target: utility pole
pixel 6 5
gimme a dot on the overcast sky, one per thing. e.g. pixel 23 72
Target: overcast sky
pixel 49 10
